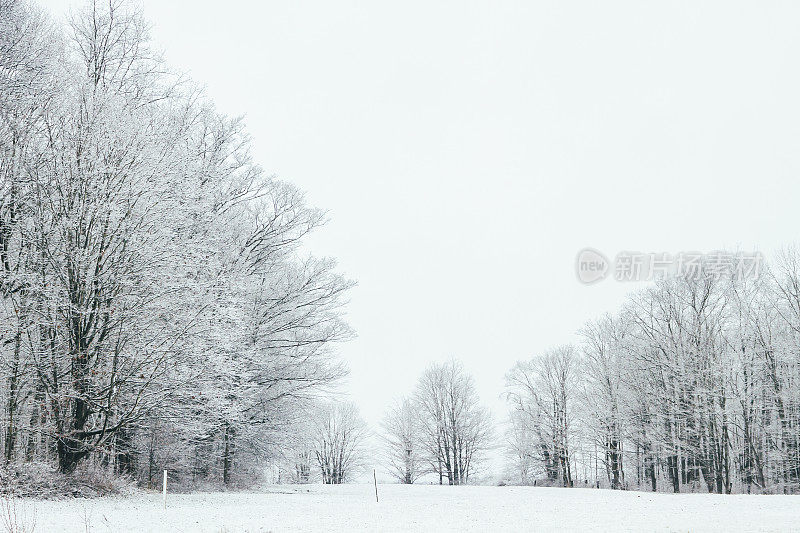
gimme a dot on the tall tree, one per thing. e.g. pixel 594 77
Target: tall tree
pixel 455 428
pixel 338 437
pixel 542 391
pixel 401 433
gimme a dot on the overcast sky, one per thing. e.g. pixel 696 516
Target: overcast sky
pixel 466 151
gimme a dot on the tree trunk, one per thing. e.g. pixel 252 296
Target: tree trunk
pixel 227 457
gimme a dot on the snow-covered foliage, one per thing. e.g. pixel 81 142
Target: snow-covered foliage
pixel 155 310
pixel 693 386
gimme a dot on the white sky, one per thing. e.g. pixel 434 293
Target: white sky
pixel 467 150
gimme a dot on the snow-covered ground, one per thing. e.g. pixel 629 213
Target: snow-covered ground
pixel 419 508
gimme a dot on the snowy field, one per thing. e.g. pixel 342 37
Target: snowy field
pixel 419 508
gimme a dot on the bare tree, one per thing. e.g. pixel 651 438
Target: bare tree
pixel 455 428
pixel 338 436
pixel 542 391
pixel 522 456
pixel 603 374
pixel 401 433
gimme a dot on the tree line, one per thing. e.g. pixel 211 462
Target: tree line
pixel 694 385
pixel 156 310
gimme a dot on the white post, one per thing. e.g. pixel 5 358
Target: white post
pixel 165 489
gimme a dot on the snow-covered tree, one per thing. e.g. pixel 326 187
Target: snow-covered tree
pixel 455 429
pixel 155 308
pixel 401 435
pixel 542 392
pixel 338 435
pixel 691 387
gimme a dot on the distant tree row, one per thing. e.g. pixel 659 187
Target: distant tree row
pixel 442 429
pixel 693 386
pixel 155 310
